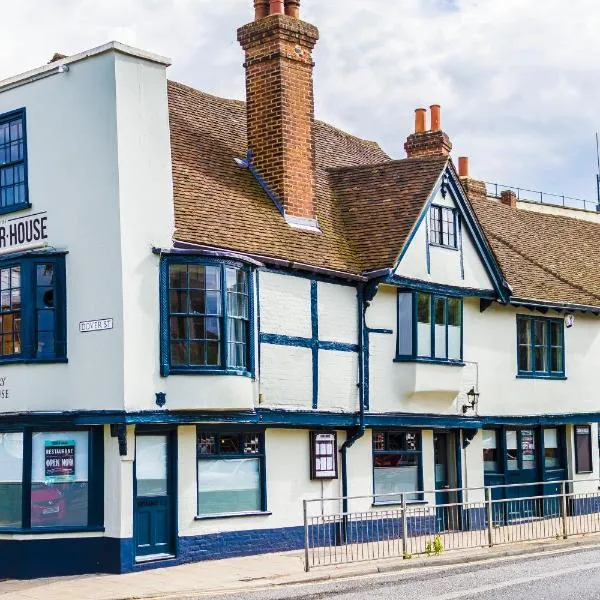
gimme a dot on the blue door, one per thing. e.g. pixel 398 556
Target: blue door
pixel 153 508
pixel 446 513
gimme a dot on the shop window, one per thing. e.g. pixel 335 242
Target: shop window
pixel 429 327
pixel 60 485
pixel 491 455
pixel 540 347
pixel 231 473
pixel 13 162
pixel 442 226
pixel 32 309
pixel 397 466
pixel 583 449
pixel 208 318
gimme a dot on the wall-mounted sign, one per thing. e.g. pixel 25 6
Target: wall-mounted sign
pixel 323 455
pixel 95 325
pixel 17 233
pixel 59 460
pixel 569 320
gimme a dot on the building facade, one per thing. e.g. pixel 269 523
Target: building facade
pixel 211 310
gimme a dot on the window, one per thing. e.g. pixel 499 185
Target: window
pixel 540 347
pixel 433 330
pixel 397 465
pixel 490 450
pixel 208 312
pixel 583 449
pixel 552 448
pixel 59 486
pixel 231 473
pixel 13 162
pixel 32 309
pixel 442 221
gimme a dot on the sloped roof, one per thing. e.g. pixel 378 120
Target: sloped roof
pixel 543 256
pixel 381 203
pixel 217 203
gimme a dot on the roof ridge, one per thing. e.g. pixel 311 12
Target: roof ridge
pixel 203 93
pixel 391 161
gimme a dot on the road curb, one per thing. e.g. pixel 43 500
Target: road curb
pixel 390 566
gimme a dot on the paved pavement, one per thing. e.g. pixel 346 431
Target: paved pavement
pixel 243 576
pixel 573 574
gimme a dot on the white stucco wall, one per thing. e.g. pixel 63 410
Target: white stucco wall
pixel 444 262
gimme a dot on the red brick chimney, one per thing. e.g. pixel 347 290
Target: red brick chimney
pixel 432 142
pixel 509 198
pixel 280 105
pixel 474 188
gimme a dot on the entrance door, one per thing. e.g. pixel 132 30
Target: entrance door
pixel 522 467
pixel 153 516
pixel 447 517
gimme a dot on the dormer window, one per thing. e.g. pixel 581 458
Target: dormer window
pixel 13 163
pixel 442 226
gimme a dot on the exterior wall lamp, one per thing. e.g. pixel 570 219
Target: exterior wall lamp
pixel 472 402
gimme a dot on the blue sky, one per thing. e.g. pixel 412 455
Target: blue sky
pixel 517 79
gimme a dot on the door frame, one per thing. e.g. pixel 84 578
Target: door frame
pixel 171 431
pixel 453 458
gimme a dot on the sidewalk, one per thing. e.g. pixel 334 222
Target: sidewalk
pixel 248 573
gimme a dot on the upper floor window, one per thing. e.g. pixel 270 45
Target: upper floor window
pixel 13 162
pixel 208 312
pixel 32 309
pixel 540 347
pixel 442 226
pixel 429 327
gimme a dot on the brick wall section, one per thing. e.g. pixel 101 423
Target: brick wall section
pixel 474 188
pixel 280 107
pixel 428 143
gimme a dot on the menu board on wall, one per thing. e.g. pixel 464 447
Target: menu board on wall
pixel 59 460
pixel 323 451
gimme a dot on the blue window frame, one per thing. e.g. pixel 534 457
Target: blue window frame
pixel 206 317
pixel 540 347
pixel 442 226
pixel 430 327
pixel 51 480
pixel 13 162
pixel 397 466
pixel 231 473
pixel 33 309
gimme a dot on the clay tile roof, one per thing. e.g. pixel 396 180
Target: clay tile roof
pixel 219 204
pixel 381 203
pixel 544 256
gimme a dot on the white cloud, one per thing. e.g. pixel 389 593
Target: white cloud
pixel 516 78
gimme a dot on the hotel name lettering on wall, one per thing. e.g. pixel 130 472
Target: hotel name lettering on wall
pixel 3 388
pixel 18 232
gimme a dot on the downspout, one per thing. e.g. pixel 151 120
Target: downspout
pixel 356 433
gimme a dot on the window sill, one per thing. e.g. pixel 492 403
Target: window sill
pixel 199 371
pixel 250 513
pixel 29 361
pixel 45 530
pixel 394 503
pixel 432 361
pixel 15 208
pixel 535 376
pixel 443 246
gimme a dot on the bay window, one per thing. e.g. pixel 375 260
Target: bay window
pixel 429 327
pixel 206 316
pixel 231 473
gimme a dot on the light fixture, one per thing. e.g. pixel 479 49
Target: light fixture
pixel 473 400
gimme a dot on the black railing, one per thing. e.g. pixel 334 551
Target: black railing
pixel 495 189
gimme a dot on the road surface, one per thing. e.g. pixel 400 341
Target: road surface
pixel 574 574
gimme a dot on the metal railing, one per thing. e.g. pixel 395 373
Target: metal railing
pixel 526 195
pixel 489 516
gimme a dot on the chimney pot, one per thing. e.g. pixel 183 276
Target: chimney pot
pixel 292 8
pixel 261 9
pixel 436 117
pixel 420 120
pixel 463 166
pixel 277 7
pixel 509 198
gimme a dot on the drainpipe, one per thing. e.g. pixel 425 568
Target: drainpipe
pixel 357 433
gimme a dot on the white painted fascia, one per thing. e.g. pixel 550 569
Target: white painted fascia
pixel 59 65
